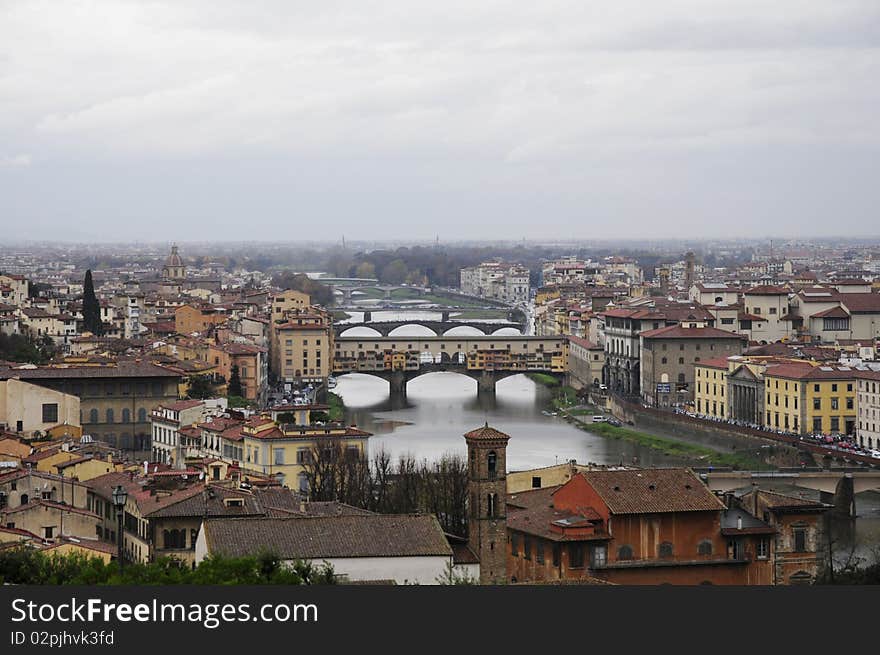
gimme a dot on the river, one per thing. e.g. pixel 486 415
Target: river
pixel 441 407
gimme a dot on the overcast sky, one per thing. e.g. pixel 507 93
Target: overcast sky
pixel 186 120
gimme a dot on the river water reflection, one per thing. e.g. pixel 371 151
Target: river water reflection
pixel 441 407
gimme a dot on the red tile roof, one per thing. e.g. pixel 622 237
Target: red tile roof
pixel 652 491
pixel 680 332
pixel 486 433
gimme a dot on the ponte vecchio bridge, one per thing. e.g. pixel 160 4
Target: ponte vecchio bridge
pixel 487 359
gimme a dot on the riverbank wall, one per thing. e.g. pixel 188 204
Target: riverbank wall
pixel 719 436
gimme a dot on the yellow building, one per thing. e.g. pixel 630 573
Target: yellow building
pixel 288 301
pixel 710 387
pixel 302 345
pixel 285 451
pixel 808 397
pixel 27 408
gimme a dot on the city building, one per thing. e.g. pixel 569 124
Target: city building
pixel 31 409
pixel 668 356
pixel 810 398
pixel 115 398
pixel 302 345
pixel 497 281
pixel 637 526
pixel 586 361
pixel 360 547
pixel 868 403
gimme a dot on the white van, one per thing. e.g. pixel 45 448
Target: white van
pixel 598 418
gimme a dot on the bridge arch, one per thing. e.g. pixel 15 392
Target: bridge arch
pixel 360 331
pixel 426 331
pixel 507 332
pixel 464 331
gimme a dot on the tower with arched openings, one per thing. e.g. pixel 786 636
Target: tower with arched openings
pixel 487 489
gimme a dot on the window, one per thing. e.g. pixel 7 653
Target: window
pixel 835 423
pixel 93 416
pixel 557 554
pixel 491 464
pixel 536 482
pixel 50 412
pixel 110 415
pixel 490 507
pixel 817 424
pixel 527 547
pixel 303 456
pixel 849 403
pixel 800 540
pixel 126 415
pixel 666 549
pixel 835 403
pixel 279 455
pixel 817 403
pixel 704 547
pixel 598 556
pixel 47 531
pixel 625 552
pixel 514 544
pixel 576 556
pixel 763 549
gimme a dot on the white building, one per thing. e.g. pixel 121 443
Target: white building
pixel 868 404
pixel 399 548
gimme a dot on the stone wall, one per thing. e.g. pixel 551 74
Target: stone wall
pixel 720 436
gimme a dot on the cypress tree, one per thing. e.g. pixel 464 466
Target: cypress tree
pixel 234 386
pixel 91 308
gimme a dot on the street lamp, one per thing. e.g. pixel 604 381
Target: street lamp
pixel 120 496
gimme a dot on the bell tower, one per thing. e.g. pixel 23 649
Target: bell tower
pixel 487 491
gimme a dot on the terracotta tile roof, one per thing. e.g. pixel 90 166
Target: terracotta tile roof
pixel 833 312
pixel 122 369
pixel 806 371
pixel 485 433
pixel 766 290
pixel 532 512
pixel 371 535
pixel 200 500
pixel 716 362
pixel 652 491
pixel 680 332
pixel 584 343
pixel 861 303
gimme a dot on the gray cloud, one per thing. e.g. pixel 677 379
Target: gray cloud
pixel 409 119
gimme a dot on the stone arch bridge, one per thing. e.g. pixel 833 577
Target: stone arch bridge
pixel 486 359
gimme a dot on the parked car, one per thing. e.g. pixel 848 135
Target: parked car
pixel 599 418
pixel 614 422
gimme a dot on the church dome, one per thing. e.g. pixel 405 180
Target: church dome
pixel 173 259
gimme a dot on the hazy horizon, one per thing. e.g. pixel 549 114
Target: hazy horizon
pixel 225 121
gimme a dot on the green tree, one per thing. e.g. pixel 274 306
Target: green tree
pixel 234 387
pixel 200 387
pixel 365 270
pixel 91 307
pixel 395 272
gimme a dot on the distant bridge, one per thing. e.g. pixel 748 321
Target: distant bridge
pixel 439 328
pixel 486 358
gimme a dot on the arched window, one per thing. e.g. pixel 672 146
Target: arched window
pixel 126 415
pixel 681 377
pixel 625 552
pixel 490 507
pixel 492 463
pixel 23 499
pixel 110 415
pixel 93 416
pixel 142 415
pixel 704 547
pixel 666 549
